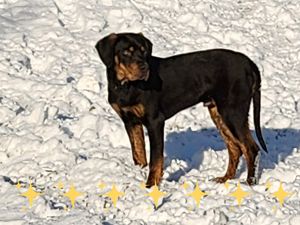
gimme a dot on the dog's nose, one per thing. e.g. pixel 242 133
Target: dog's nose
pixel 144 66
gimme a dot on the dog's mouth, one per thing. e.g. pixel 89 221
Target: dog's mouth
pixel 132 72
pixel 144 76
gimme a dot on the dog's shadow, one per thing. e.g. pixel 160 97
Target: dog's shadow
pixel 190 147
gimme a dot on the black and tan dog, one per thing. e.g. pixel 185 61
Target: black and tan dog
pixel 147 90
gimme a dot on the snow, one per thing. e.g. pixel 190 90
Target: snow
pixel 56 124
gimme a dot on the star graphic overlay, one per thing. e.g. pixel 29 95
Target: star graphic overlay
pixel 155 194
pixel 72 194
pixel 197 194
pixel 60 185
pixel 114 195
pixel 239 194
pixel 18 185
pixel 281 194
pixel 30 194
pixel 101 185
pixel 226 184
pixel 143 185
pixel 268 185
pixel 185 185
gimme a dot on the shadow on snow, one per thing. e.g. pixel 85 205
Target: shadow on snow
pixel 189 146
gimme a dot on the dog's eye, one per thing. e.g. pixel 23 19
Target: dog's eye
pixel 126 53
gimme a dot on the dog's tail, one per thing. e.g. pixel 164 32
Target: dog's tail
pixel 256 107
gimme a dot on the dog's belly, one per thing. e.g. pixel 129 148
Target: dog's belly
pixel 185 92
pixel 173 105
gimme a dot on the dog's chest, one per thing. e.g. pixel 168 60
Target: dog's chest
pixel 123 95
pixel 137 110
pixel 125 100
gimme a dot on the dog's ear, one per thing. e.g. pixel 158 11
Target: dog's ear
pixel 105 48
pixel 148 44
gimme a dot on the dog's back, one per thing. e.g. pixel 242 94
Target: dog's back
pixel 220 74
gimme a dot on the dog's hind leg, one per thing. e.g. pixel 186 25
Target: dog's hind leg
pixel 236 119
pixel 251 152
pixel 232 143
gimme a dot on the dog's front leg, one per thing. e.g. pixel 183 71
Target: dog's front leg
pixel 136 136
pixel 134 129
pixel 156 137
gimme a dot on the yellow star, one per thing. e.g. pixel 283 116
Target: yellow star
pixel 101 185
pixel 60 185
pixel 72 194
pixel 18 185
pixel 30 194
pixel 114 195
pixel 197 194
pixel 226 184
pixel 185 185
pixel 155 194
pixel 268 185
pixel 281 194
pixel 239 194
pixel 142 185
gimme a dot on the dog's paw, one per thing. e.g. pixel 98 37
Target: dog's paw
pixel 220 179
pixel 152 182
pixel 153 179
pixel 252 181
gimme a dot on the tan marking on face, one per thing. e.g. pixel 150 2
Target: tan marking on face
pixel 119 69
pixel 142 48
pixel 126 72
pixel 134 71
pixel 131 49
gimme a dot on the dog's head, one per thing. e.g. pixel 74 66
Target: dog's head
pixel 128 54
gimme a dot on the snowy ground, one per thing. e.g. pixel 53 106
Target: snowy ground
pixel 56 125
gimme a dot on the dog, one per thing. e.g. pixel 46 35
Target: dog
pixel 147 90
